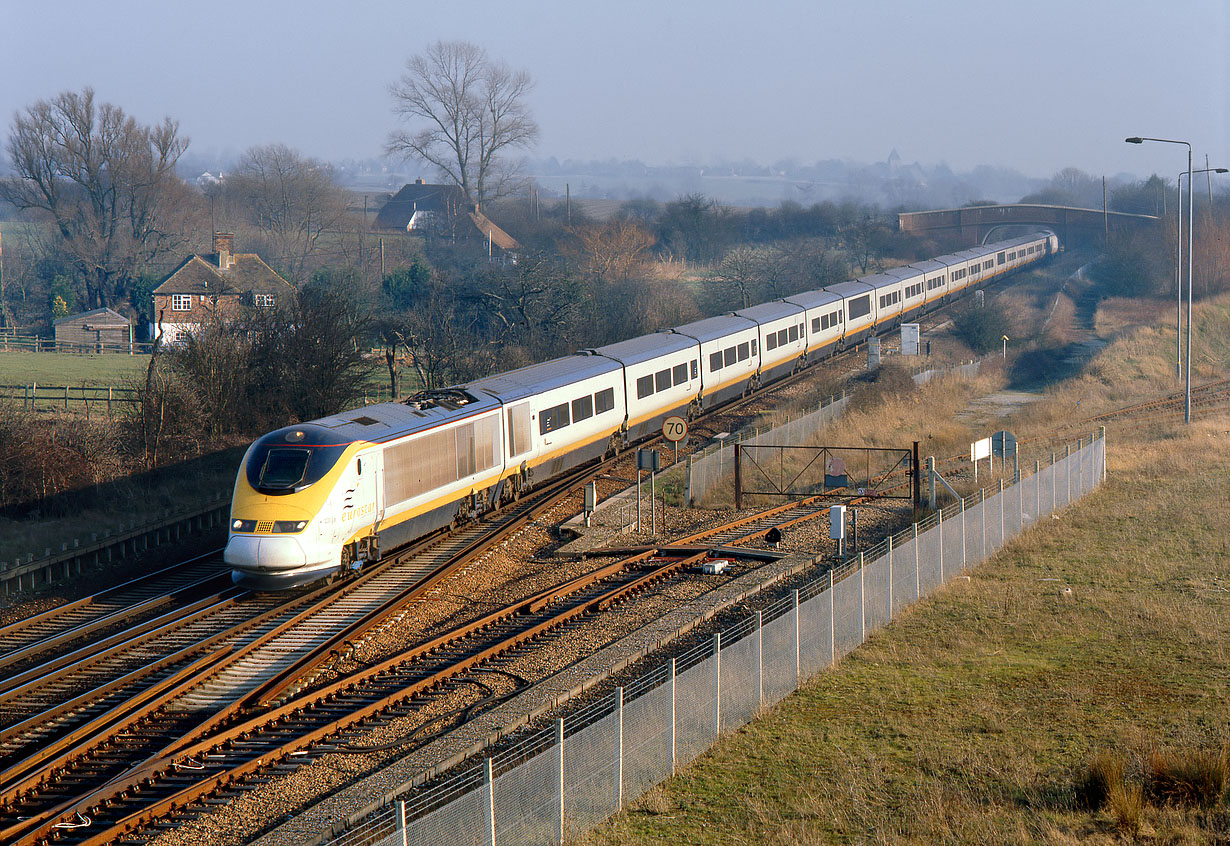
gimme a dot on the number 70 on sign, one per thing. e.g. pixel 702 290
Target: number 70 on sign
pixel 675 429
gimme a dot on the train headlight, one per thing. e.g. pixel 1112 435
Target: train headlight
pixel 243 525
pixel 283 526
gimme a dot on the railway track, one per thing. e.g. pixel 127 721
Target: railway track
pixel 37 639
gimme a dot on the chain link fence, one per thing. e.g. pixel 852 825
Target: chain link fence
pixel 561 781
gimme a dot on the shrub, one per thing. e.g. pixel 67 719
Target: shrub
pixel 982 329
pixel 1194 777
pixel 1094 784
pixel 1127 805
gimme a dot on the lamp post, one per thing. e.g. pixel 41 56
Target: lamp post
pixel 1187 401
pixel 1178 265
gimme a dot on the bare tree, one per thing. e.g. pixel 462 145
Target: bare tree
pixel 471 110
pixel 612 251
pixel 290 198
pixel 106 183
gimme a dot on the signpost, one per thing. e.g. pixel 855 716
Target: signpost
pixel 675 429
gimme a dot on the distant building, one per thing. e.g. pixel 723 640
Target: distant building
pixel 94 331
pixel 218 283
pixel 443 211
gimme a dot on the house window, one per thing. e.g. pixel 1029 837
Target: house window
pixel 181 302
pixel 264 300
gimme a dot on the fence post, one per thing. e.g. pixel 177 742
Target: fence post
pixel 687 484
pixel 1037 490
pixel 559 771
pixel 490 783
pixel 1067 467
pixel 401 822
pixel 862 602
pixel 982 501
pixel 964 560
pixel 939 538
pixel 889 541
pixel 1102 438
pixel 672 683
pixel 717 684
pixel 832 624
pixel 619 749
pixel 798 666
pixel 759 660
pixel 917 577
pixel 1001 512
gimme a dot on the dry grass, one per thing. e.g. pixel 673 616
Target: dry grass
pixel 1193 777
pixel 965 719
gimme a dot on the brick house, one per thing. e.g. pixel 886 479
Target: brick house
pixel 443 211
pixel 220 282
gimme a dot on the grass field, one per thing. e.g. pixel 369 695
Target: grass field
pixel 48 368
pixel 974 717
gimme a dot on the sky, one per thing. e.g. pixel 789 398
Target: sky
pixel 1034 86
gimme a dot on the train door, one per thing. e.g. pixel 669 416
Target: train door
pixel 359 505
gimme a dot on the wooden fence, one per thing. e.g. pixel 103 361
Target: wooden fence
pixel 21 342
pixel 38 397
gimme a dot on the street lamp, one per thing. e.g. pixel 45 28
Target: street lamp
pixel 1178 266
pixel 1136 139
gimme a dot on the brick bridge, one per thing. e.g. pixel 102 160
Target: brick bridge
pixel 982 224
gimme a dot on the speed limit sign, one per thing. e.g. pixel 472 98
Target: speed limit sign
pixel 675 429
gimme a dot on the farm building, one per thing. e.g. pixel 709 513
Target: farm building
pixel 443 211
pixel 94 331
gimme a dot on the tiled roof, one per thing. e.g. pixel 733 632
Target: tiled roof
pixel 201 275
pixel 444 199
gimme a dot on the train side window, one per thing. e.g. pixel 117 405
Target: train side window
pixel 644 387
pixel 715 361
pixel 782 336
pixel 744 351
pixel 604 400
pixel 729 356
pixel 518 429
pixel 582 408
pixel 770 341
pixel 695 369
pixel 553 419
pixel 662 380
pixel 753 346
pixel 818 323
pixel 794 333
pixel 679 374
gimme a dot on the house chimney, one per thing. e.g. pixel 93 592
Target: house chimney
pixel 224 246
pixel 419 181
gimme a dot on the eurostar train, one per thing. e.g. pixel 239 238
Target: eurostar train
pixel 320 498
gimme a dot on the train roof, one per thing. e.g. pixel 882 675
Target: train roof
pixel 929 266
pixel 948 260
pixel 424 410
pixel 849 289
pixel 765 312
pixel 814 299
pixel 712 328
pixel 546 376
pixel 636 350
pixel 902 272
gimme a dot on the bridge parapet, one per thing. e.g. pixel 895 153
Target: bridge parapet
pixel 1072 225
